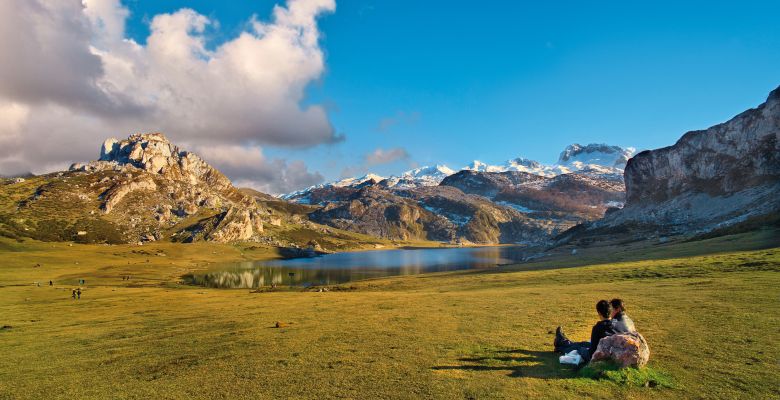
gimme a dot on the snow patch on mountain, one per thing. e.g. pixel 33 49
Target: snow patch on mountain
pixel 596 160
pixel 578 156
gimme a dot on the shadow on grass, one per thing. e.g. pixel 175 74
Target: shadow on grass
pixel 521 363
pixel 518 363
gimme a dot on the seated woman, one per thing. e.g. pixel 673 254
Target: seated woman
pixel 605 327
pixel 622 321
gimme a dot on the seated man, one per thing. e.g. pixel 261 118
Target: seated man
pixel 605 327
pixel 622 322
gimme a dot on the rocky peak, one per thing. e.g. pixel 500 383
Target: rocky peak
pixel 181 184
pixel 525 162
pixel 154 153
pixel 596 154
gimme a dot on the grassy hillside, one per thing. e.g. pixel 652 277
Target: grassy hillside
pixel 711 322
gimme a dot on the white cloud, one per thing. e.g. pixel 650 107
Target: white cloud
pixel 378 156
pixel 249 167
pixel 70 78
pixel 382 156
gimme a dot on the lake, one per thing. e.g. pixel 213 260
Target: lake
pixel 338 268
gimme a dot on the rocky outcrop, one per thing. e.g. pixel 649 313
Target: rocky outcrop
pixel 236 224
pixel 722 160
pixel 709 180
pixel 624 349
pixel 147 188
pixel 118 192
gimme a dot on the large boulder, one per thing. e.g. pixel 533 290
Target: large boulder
pixel 625 349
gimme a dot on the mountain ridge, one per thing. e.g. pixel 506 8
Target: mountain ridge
pixel 603 159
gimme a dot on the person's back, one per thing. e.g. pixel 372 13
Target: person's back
pixel 602 329
pixel 623 323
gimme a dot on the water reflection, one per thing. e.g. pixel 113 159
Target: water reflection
pixel 340 268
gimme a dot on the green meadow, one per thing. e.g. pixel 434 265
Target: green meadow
pixel 710 311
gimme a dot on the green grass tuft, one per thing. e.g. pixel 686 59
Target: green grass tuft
pixel 641 377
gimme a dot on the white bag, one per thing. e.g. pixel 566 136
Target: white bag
pixel 572 357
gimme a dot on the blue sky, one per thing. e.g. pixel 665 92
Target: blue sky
pixel 450 83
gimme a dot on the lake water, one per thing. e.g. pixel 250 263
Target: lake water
pixel 332 269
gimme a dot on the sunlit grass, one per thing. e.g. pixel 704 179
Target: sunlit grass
pixel 711 323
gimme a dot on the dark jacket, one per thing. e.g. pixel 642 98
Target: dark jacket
pixel 601 330
pixel 623 323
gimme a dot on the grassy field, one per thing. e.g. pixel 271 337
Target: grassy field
pixel 712 322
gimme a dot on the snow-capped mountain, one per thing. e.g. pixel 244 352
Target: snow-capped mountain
pixel 423 176
pixel 578 156
pixel 418 177
pixel 594 159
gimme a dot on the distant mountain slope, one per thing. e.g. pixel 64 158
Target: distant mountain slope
pixel 709 179
pixel 520 201
pixel 431 212
pixel 576 196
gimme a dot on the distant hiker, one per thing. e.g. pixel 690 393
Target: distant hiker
pixel 73 293
pixel 78 293
pixel 605 327
pixel 51 283
pixel 622 321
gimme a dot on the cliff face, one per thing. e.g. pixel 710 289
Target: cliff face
pixel 724 159
pixel 709 180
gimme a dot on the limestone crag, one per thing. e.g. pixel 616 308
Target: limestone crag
pixel 709 180
pixel 146 185
pixel 722 160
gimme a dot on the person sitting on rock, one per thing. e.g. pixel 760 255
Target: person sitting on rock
pixel 623 323
pixel 603 328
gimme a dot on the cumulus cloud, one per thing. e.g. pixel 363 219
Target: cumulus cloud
pixel 248 167
pixel 70 78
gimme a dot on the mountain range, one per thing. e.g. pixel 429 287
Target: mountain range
pixel 598 160
pixel 144 188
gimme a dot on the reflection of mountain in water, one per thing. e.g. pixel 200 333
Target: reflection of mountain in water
pixel 346 267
